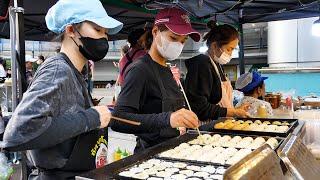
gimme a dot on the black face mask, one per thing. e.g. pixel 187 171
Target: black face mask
pixel 261 97
pixel 93 49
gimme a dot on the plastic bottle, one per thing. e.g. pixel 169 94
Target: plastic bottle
pixel 117 154
pixel 262 111
pixel 124 154
pixel 5 169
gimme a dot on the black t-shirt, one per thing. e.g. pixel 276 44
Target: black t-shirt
pixel 141 92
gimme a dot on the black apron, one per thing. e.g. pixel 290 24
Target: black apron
pixel 89 151
pixel 172 103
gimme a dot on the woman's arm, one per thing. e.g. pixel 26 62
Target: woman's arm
pixel 33 124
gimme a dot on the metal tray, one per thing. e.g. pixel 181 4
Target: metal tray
pixel 280 140
pixel 112 170
pixel 173 161
pixel 293 123
pixel 298 159
pixel 161 148
pixel 203 163
pixel 263 163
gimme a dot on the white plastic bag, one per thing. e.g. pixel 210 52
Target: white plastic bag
pixel 237 97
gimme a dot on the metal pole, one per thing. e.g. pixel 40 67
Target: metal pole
pixel 21 47
pixel 12 16
pixel 261 39
pixel 13 57
pixel 241 44
pixel 18 65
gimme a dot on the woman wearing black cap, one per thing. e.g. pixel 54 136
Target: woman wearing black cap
pixel 149 86
pixel 208 89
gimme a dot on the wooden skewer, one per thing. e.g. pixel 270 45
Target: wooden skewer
pixel 198 132
pixel 185 97
pixel 126 121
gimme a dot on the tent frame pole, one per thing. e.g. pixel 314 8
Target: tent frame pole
pixel 241 44
pixel 17 42
pixel 18 68
pixel 20 47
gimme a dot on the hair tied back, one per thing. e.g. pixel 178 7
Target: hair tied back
pixel 212 24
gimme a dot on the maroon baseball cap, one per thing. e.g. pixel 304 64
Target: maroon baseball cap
pixel 177 21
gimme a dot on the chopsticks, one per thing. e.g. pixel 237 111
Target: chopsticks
pixel 185 97
pixel 126 121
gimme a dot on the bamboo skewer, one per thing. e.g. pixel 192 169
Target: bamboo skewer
pixel 185 97
pixel 126 121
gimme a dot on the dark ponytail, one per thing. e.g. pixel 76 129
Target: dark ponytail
pixel 148 35
pixel 221 34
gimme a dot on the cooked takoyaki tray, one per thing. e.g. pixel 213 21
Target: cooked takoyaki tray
pixel 119 169
pixel 255 126
pixel 218 149
pixel 149 165
pixel 154 169
pixel 198 157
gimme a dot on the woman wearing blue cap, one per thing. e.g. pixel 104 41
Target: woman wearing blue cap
pixel 253 87
pixel 56 121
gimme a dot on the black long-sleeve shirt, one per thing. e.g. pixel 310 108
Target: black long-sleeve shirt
pixel 141 98
pixel 203 88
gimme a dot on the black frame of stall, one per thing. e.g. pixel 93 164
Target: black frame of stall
pixel 286 11
pixel 110 171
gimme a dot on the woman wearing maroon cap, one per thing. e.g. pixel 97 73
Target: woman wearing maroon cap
pixel 208 89
pixel 149 86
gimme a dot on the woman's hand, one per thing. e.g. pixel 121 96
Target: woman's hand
pixel 104 114
pixel 244 107
pixel 182 130
pixel 184 118
pixel 237 112
pixel 241 113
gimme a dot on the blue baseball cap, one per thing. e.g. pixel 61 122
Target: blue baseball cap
pixel 66 12
pixel 249 81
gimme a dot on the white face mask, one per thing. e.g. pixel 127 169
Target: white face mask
pixel 168 49
pixel 223 59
